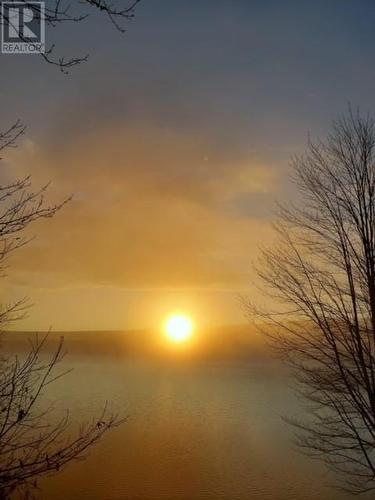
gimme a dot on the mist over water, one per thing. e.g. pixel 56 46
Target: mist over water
pixel 200 427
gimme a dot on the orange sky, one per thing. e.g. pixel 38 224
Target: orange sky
pixel 175 141
pixel 148 239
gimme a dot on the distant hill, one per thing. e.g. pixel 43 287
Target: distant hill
pixel 224 343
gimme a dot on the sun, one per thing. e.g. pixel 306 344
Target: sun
pixel 179 328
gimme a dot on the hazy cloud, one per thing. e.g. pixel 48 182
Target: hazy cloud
pixel 151 207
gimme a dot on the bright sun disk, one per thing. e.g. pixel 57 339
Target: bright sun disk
pixel 179 328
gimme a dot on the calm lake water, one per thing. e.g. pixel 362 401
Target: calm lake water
pixel 196 430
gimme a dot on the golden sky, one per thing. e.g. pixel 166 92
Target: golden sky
pixel 156 214
pixel 174 141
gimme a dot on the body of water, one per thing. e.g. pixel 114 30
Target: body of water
pixel 197 429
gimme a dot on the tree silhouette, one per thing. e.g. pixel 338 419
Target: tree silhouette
pixel 31 442
pixel 321 273
pixel 59 12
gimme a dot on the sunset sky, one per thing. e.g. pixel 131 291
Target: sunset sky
pixel 175 141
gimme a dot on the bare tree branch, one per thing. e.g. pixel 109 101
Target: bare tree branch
pixel 31 442
pixel 58 12
pixel 321 276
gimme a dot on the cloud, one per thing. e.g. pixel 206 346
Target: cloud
pixel 152 208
